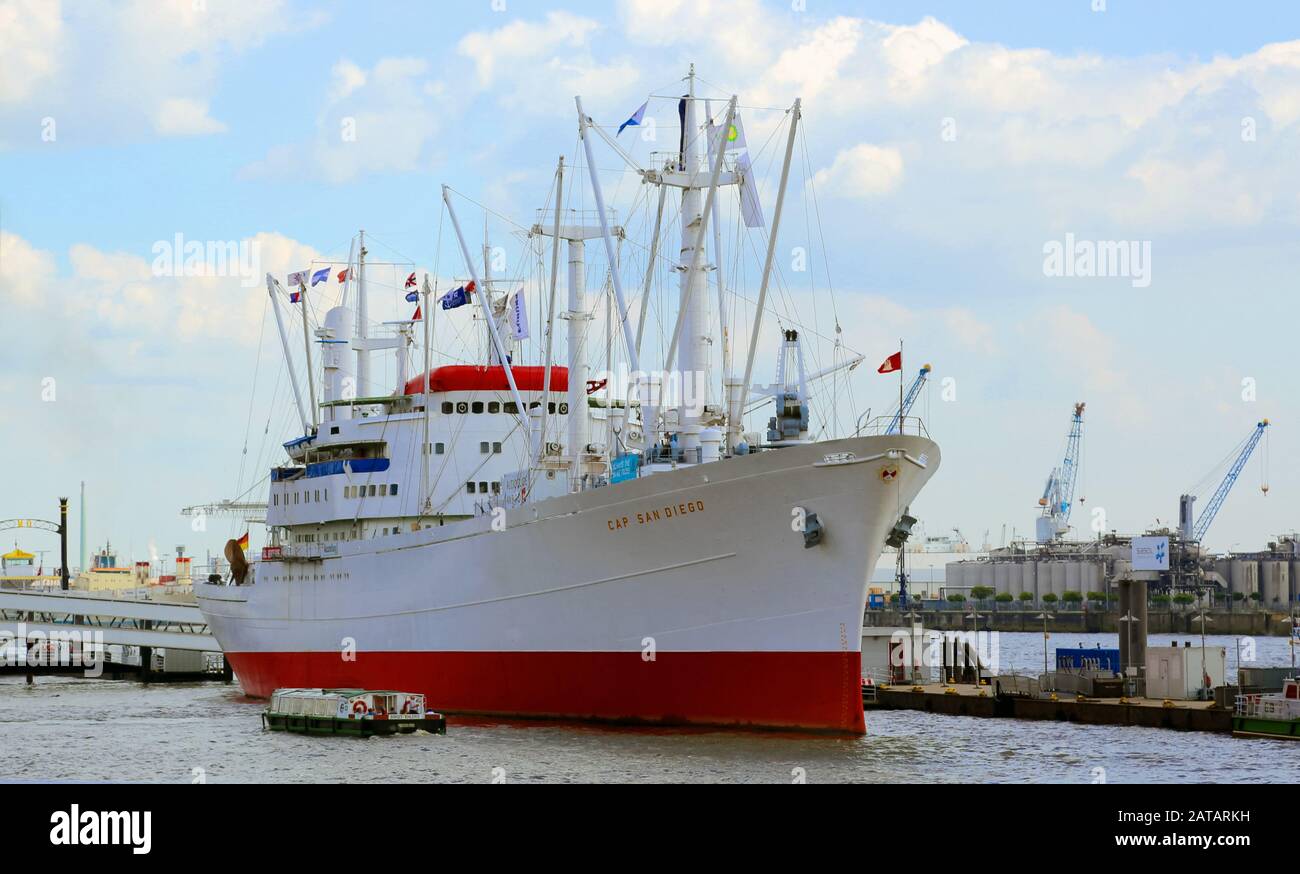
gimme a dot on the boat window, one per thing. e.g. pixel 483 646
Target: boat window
pixel 469 488
pixel 496 488
pixel 477 406
pixel 446 408
pixel 392 489
pixel 440 449
pixel 550 408
pixel 494 407
pixel 483 448
pixel 372 491
pixel 496 448
pixel 482 487
pixel 462 407
pixel 511 407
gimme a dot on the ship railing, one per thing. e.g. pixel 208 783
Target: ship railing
pixel 1266 707
pixel 880 426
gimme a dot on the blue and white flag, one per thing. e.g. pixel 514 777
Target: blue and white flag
pixel 635 119
pixel 321 275
pixel 457 297
pixel 299 278
pixel 412 296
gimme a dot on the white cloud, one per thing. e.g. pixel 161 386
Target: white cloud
pixel 862 171
pixel 522 41
pixel 25 271
pixel 184 116
pixel 31 37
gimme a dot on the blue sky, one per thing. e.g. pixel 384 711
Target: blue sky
pixel 1170 123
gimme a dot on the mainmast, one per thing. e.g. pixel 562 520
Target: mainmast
pixel 363 322
pixel 693 355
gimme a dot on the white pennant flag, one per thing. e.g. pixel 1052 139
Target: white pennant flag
pixel 518 316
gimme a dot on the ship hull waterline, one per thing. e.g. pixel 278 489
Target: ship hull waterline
pixel 681 598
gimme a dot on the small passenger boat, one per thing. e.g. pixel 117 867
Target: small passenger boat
pixel 360 712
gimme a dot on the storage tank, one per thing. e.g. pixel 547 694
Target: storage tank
pixel 1016 584
pixel 1092 578
pixel 1001 577
pixel 1275 580
pixel 1029 578
pixel 1294 585
pixel 1074 576
pixel 952 574
pixel 1058 578
pixel 987 575
pixel 1243 576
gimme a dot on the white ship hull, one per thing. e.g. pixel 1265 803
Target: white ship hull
pixel 683 597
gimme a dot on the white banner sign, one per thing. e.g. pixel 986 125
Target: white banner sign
pixel 518 316
pixel 1150 553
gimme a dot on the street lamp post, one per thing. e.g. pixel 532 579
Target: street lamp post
pixel 1045 616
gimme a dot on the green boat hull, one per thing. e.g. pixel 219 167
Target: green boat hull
pixel 353 727
pixel 1249 726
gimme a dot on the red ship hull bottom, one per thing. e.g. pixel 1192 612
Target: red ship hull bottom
pixel 799 690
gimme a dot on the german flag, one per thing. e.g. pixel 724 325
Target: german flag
pixel 243 542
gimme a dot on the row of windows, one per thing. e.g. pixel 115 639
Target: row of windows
pixel 361 491
pixel 494 407
pixel 307 496
pixel 482 488
pixel 370 491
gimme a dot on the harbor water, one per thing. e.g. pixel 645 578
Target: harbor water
pixel 79 729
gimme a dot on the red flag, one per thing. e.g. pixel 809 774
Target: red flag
pixel 416 317
pixel 410 281
pixel 469 287
pixel 892 363
pixel 343 275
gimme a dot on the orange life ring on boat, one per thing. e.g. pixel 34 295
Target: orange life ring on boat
pixel 359 707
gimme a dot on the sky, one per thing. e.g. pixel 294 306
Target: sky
pixel 946 150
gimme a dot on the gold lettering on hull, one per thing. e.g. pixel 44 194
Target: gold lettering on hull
pixel 649 516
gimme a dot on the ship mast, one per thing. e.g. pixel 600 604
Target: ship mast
pixel 363 322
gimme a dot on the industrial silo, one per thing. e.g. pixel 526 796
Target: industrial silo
pixel 1243 577
pixel 1058 578
pixel 987 576
pixel 1002 577
pixel 1274 582
pixel 1092 578
pixel 1074 576
pixel 1029 578
pixel 1016 584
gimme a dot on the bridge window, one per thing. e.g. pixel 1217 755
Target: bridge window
pixel 477 406
pixel 494 407
pixel 446 408
pixel 511 407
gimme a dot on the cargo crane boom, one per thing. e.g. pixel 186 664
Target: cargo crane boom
pixel 1202 525
pixel 1058 495
pixel 909 399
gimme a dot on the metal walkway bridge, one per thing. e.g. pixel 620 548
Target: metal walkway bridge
pixel 120 621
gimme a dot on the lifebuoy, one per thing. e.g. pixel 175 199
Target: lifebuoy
pixel 595 385
pixel 359 706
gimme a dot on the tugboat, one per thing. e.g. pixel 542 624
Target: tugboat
pixel 357 712
pixel 1272 715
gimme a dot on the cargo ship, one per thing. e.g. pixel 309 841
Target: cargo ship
pixel 529 540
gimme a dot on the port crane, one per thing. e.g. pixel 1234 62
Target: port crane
pixel 1196 532
pixel 910 398
pixel 1058 495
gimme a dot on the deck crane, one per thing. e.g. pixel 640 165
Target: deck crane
pixel 1058 495
pixel 909 399
pixel 1197 531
